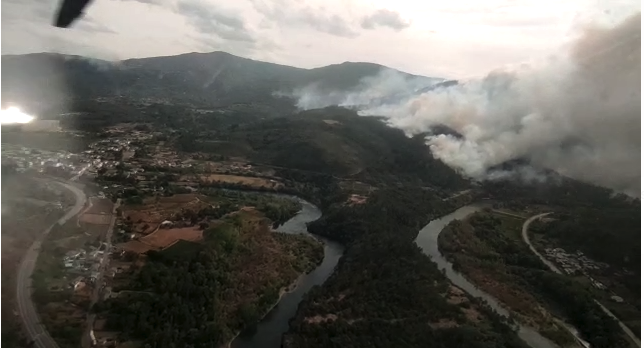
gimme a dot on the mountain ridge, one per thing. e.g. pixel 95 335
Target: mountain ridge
pixel 214 78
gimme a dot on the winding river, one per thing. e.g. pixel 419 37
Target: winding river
pixel 427 240
pixel 269 331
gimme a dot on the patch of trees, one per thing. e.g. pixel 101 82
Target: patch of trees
pixel 402 209
pixel 277 209
pixel 176 303
pixel 577 303
pixel 557 192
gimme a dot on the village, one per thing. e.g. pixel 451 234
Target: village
pixel 128 160
pixel 25 159
pixel 575 263
pixel 157 186
pixel 85 264
pixel 579 264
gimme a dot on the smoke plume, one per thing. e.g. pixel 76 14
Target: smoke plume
pixel 578 113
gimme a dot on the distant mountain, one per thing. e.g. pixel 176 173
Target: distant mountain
pixel 215 79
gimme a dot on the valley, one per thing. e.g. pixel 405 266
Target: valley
pixel 240 221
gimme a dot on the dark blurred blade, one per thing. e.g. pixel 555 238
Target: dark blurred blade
pixel 69 11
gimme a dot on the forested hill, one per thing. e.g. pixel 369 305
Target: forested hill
pixel 334 141
pixel 216 78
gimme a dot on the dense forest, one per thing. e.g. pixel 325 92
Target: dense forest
pixel 557 192
pixel 385 291
pixel 487 250
pixel 333 141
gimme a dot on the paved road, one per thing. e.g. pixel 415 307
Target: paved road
pixel 86 340
pixel 28 313
pixel 526 239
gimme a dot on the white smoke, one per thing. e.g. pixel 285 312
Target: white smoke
pixel 578 114
pixel 389 84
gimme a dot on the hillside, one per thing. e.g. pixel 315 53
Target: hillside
pixel 214 79
pixel 333 141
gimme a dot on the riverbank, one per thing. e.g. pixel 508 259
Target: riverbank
pixel 489 250
pixel 268 331
pixel 428 241
pixel 486 259
pixel 283 292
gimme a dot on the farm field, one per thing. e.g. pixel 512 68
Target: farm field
pixel 161 239
pixel 147 217
pixel 236 179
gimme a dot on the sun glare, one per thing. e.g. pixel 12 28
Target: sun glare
pixel 14 115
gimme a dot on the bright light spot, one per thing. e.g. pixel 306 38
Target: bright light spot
pixel 14 115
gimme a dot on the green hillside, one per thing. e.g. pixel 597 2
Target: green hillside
pixel 215 79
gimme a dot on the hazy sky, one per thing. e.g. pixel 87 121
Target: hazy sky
pixel 456 38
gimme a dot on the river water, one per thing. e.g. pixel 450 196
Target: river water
pixel 268 332
pixel 427 240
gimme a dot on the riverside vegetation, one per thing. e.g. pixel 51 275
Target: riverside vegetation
pixel 489 251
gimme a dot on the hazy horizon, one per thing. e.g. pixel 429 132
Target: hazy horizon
pixel 461 39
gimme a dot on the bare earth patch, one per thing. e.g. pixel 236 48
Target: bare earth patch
pixel 355 199
pixel 237 179
pixel 320 319
pixel 147 217
pixel 100 206
pixel 163 238
pixel 443 324
pixel 96 219
pixel 456 296
pixel 135 246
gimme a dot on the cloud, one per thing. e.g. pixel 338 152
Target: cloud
pixel 211 20
pixel 282 12
pixel 92 25
pixel 63 45
pixel 385 18
pixel 577 112
pixel 149 2
pixel 447 39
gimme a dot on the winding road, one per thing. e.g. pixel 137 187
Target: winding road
pixel 30 318
pixel 552 267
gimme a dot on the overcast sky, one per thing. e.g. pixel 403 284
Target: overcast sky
pixel 456 38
